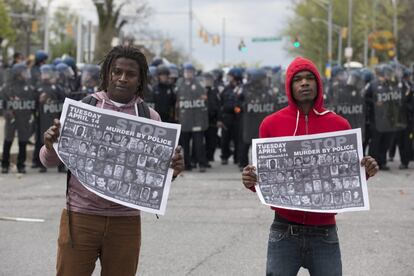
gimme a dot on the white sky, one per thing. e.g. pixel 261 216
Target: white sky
pixel 244 19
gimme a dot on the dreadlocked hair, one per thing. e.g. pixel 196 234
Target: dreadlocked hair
pixel 130 52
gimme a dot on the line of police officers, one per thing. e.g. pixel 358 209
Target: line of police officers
pixel 208 107
pixel 32 96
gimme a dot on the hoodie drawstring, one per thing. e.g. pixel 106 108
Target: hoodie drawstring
pixel 297 123
pixel 103 103
pixel 314 110
pixel 321 113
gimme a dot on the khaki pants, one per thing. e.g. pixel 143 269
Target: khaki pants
pixel 114 240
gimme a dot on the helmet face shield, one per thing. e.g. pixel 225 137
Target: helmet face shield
pixel 188 73
pixel 90 76
pixel 48 74
pixel 26 74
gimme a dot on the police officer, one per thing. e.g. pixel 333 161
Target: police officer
pixel 90 79
pixel 40 59
pixel 381 95
pixel 256 101
pixel 213 103
pixel 75 83
pixel 149 90
pixel 230 118
pixel 164 96
pixel 218 79
pixel 403 138
pixel 19 103
pixel 50 102
pixel 64 77
pixel 174 74
pixel 368 76
pixel 192 114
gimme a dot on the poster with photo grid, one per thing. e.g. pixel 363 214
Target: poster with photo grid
pixel 120 157
pixel 316 173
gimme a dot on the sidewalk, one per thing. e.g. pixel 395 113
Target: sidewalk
pixel 15 148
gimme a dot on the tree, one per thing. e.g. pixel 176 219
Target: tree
pixel 111 21
pixel 406 34
pixel 313 36
pixel 24 39
pixel 6 30
pixel 62 36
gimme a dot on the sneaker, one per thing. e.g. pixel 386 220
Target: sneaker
pixel 21 170
pixel 208 165
pixel 202 169
pixel 224 161
pixel 43 170
pixel 403 167
pixel 4 170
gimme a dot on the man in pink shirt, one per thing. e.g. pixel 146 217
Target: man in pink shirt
pixel 93 227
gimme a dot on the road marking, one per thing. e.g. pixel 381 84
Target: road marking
pixel 22 219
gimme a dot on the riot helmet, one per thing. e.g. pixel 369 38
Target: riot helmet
pixel 256 76
pixel 163 73
pixel 20 71
pixel 57 61
pixel 70 61
pixel 48 73
pixel 189 71
pixel 152 74
pixel 236 74
pixel 174 73
pixel 207 79
pixel 90 75
pixel 41 57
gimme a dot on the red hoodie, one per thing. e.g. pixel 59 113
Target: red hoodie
pixel 290 121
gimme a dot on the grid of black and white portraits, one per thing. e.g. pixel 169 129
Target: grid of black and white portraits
pixel 121 166
pixel 319 181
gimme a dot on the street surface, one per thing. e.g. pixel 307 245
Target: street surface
pixel 213 226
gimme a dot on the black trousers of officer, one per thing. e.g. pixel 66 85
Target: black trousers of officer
pixel 380 143
pixel 211 142
pixel 230 132
pixel 21 157
pixel 244 154
pixel 198 144
pixel 404 142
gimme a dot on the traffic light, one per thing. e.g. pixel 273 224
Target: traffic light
pixel 242 46
pixel 35 26
pixel 296 42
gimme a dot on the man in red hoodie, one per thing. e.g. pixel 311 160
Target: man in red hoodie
pixel 297 238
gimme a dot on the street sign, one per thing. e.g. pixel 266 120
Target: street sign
pixel 267 39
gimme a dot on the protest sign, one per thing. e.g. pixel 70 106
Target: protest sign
pixel 120 157
pixel 318 173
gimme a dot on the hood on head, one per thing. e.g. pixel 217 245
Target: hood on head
pixel 302 64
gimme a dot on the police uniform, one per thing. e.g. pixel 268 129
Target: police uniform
pixel 19 101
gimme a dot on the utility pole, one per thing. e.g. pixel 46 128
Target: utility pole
pixel 89 41
pixel 395 27
pixel 46 37
pixel 190 29
pixel 223 41
pixel 79 49
pixel 329 38
pixel 374 24
pixel 349 46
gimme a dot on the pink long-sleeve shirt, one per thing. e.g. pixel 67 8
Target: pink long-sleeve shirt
pixel 80 199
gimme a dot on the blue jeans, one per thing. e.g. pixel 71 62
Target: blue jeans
pixel 290 249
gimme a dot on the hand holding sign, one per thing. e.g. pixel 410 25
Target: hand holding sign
pixel 52 134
